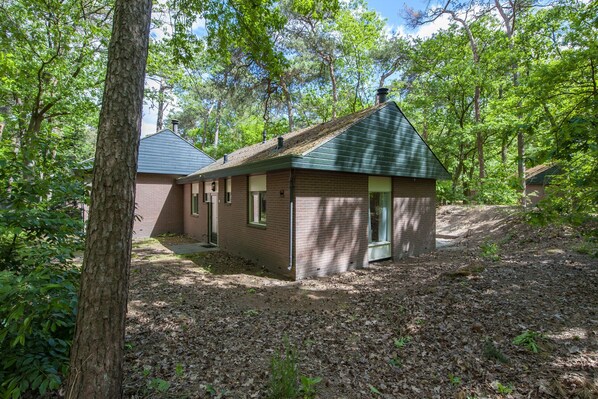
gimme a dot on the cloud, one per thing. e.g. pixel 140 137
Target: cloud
pixel 427 30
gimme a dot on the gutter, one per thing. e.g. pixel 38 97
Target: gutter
pixel 267 165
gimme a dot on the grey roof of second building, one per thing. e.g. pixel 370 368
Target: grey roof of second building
pixel 167 153
pixel 541 174
pixel 378 140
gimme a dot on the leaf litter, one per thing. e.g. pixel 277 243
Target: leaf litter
pixel 207 326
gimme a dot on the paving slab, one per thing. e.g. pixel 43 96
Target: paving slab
pixel 192 248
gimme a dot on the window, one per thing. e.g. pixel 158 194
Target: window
pixel 227 195
pixel 257 200
pixel 195 199
pixel 209 187
pixel 379 204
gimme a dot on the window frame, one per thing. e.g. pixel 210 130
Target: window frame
pixel 228 190
pixel 256 188
pixel 195 199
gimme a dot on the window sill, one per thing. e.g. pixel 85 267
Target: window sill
pixel 195 215
pixel 257 226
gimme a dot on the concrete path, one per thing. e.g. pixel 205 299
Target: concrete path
pixel 192 248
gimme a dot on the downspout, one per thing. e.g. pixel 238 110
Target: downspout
pixel 291 220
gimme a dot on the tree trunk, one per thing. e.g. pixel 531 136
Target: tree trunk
pixel 97 352
pixel 204 138
pixel 479 137
pixel 289 104
pixel 334 89
pixel 217 127
pixel 521 164
pixel 161 105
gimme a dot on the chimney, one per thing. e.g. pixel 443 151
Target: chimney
pixel 280 142
pixel 225 158
pixel 175 126
pixel 381 95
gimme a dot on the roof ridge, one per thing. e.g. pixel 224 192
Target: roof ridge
pixel 167 130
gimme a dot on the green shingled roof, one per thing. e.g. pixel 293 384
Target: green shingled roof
pixel 378 140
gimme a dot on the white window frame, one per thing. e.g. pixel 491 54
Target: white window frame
pixel 195 198
pixel 228 192
pixel 257 190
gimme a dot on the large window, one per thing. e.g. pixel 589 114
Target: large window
pixel 257 200
pixel 380 218
pixel 195 199
pixel 379 226
pixel 227 195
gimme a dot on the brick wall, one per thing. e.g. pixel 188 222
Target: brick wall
pixel 158 199
pixel 414 214
pixel 331 222
pixel 535 193
pixel 267 246
pixel 195 226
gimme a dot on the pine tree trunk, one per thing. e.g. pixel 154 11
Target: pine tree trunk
pixel 96 366
pixel 161 105
pixel 479 137
pixel 334 89
pixel 289 103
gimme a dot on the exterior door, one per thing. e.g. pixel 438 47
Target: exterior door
pixel 213 219
pixel 380 218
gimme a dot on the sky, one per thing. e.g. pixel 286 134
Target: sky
pixel 391 10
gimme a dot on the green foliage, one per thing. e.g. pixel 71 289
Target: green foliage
pixel 493 353
pixel 529 339
pixel 490 251
pixel 308 386
pixel 402 341
pixel 374 390
pixel 37 321
pixel 158 384
pixel 454 380
pixel 285 380
pixel 504 389
pixel 284 373
pixel 40 215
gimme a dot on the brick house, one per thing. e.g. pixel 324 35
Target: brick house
pixel 163 158
pixel 536 180
pixel 321 200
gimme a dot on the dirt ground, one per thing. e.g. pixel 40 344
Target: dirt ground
pixel 441 325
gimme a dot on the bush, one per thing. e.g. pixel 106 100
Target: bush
pixel 37 321
pixel 284 373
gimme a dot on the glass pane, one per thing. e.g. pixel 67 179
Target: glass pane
pixel 384 216
pixel 262 207
pixel 255 212
pixel 379 215
pixel 374 217
pixel 194 204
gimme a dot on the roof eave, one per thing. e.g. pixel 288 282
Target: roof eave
pixel 267 165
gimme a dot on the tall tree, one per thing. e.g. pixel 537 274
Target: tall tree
pixel 97 352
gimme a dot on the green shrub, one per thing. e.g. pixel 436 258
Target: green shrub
pixel 37 321
pixel 284 373
pixel 490 251
pixel 530 340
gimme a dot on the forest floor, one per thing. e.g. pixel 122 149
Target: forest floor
pixel 441 325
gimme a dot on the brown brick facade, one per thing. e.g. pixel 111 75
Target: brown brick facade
pixel 535 193
pixel 195 226
pixel 267 246
pixel 331 222
pixel 414 214
pixel 158 203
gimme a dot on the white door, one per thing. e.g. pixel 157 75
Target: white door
pixel 213 219
pixel 380 218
